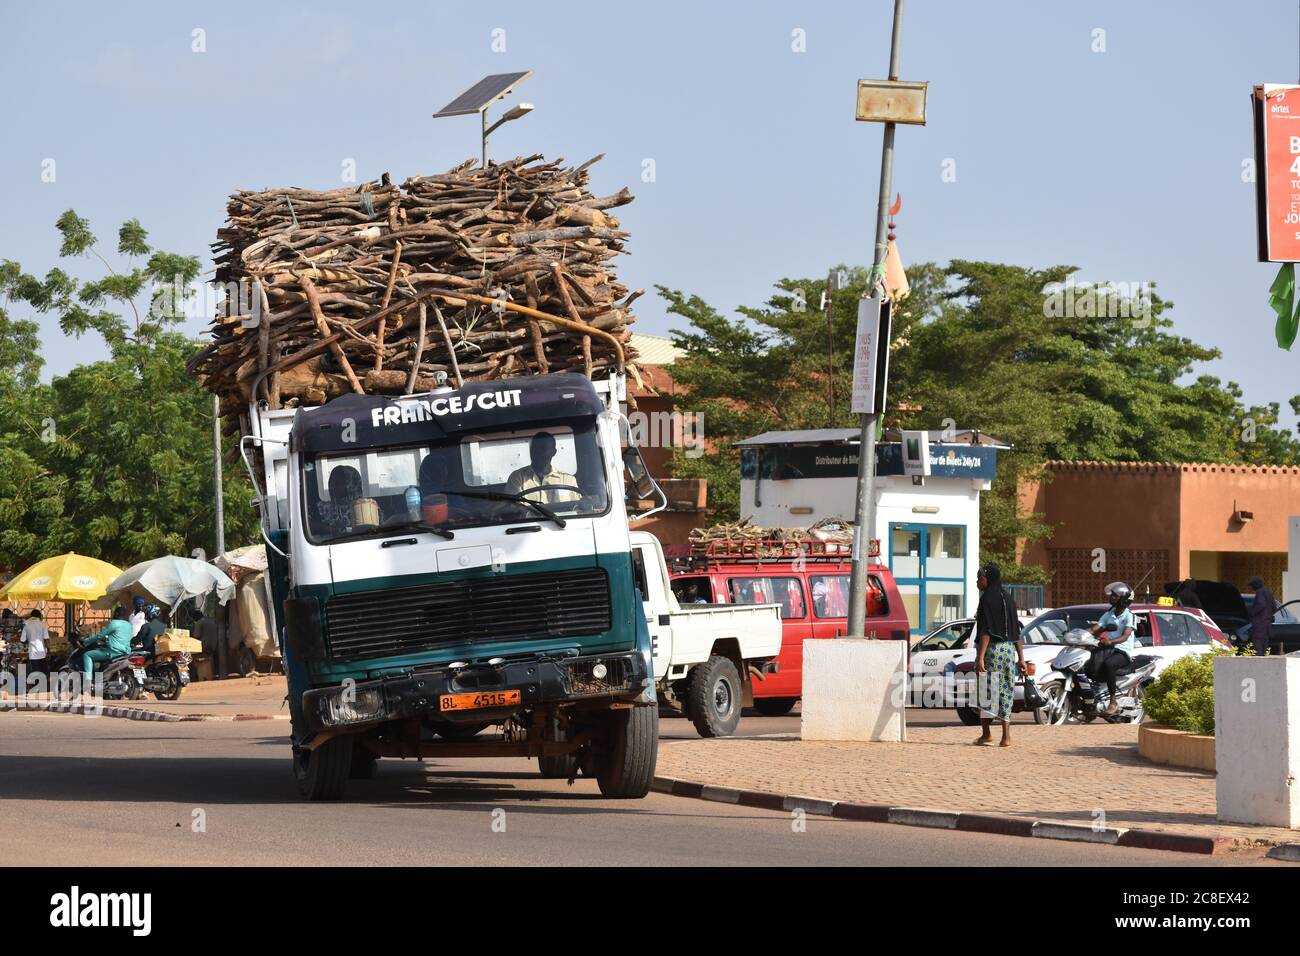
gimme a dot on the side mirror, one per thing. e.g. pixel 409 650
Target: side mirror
pixel 642 483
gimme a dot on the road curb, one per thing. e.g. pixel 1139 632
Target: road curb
pixel 992 823
pixel 124 713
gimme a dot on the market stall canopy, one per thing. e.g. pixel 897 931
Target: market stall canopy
pixel 69 577
pixel 170 581
pixel 251 558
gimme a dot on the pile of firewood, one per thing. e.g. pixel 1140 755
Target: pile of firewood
pixel 743 537
pixel 476 273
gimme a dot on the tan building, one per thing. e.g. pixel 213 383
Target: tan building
pixel 1164 522
pixel 660 429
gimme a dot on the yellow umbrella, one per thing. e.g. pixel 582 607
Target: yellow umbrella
pixel 69 577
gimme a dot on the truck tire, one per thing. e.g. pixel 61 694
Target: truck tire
pixel 363 764
pixel 322 774
pixel 715 696
pixel 775 706
pixel 625 767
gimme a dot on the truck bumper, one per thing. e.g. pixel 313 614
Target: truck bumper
pixel 539 681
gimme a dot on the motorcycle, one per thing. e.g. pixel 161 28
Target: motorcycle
pixel 166 674
pixel 123 676
pixel 1072 695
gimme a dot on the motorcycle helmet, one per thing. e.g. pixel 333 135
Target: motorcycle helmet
pixel 1120 595
pixel 151 612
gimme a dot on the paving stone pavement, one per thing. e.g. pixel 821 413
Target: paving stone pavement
pixel 1073 774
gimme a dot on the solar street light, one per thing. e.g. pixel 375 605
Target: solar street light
pixel 483 94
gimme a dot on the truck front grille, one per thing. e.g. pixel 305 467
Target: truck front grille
pixel 502 608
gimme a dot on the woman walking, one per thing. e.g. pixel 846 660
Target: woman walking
pixel 999 654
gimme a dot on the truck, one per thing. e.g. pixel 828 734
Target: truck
pixel 459 559
pixel 706 656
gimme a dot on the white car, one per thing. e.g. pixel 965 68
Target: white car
pixel 938 678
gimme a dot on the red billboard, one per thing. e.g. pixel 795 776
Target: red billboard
pixel 1277 171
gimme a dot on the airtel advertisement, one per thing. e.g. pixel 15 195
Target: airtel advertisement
pixel 1277 161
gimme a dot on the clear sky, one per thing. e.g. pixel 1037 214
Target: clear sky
pixel 1126 163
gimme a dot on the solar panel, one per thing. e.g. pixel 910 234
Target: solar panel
pixel 482 93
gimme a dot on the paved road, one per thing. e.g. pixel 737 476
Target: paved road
pixel 81 791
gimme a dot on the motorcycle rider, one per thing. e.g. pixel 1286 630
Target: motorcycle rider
pixel 111 641
pixel 1115 633
pixel 147 637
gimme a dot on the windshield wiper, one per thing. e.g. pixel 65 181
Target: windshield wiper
pixel 404 526
pixel 418 525
pixel 516 497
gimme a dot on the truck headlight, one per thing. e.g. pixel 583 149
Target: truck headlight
pixel 349 704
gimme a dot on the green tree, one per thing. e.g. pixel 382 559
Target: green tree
pixel 1096 374
pixel 114 459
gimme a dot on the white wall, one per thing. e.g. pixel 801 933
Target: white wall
pixel 957 501
pixel 1257 740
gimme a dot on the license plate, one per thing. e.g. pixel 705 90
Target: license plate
pixel 139 674
pixel 494 698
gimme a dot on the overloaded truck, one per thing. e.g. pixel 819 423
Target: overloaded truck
pixel 421 598
pixel 460 559
pixel 445 560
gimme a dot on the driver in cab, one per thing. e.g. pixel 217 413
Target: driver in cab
pixel 539 474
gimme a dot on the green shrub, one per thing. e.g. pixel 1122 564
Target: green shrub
pixel 1183 695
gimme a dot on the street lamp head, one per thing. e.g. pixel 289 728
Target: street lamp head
pixel 520 110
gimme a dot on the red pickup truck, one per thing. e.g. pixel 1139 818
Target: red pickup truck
pixel 809 579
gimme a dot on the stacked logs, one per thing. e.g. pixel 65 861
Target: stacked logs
pixel 744 538
pixel 476 273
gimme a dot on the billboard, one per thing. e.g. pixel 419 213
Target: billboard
pixel 1277 171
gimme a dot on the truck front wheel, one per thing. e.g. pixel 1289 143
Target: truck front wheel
pixel 322 774
pixel 625 766
pixel 715 697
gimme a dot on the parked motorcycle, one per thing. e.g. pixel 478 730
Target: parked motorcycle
pixel 1072 695
pixel 123 676
pixel 166 674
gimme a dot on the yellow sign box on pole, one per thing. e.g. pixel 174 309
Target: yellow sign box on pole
pixel 892 101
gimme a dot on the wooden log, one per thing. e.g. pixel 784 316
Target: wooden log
pixel 419 350
pixel 310 289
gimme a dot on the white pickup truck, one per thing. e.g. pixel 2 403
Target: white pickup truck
pixel 704 655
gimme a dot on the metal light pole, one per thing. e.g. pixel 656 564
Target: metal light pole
pixel 223 613
pixel 864 513
pixel 219 491
pixel 523 109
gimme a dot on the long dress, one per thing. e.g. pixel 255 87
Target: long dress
pixel 998 687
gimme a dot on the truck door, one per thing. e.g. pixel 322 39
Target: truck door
pixel 656 603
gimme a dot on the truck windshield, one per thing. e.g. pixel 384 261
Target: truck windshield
pixel 462 482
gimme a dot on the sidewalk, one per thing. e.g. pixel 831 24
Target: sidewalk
pixel 259 697
pixel 1074 774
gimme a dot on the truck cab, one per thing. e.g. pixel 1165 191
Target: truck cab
pixel 455 560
